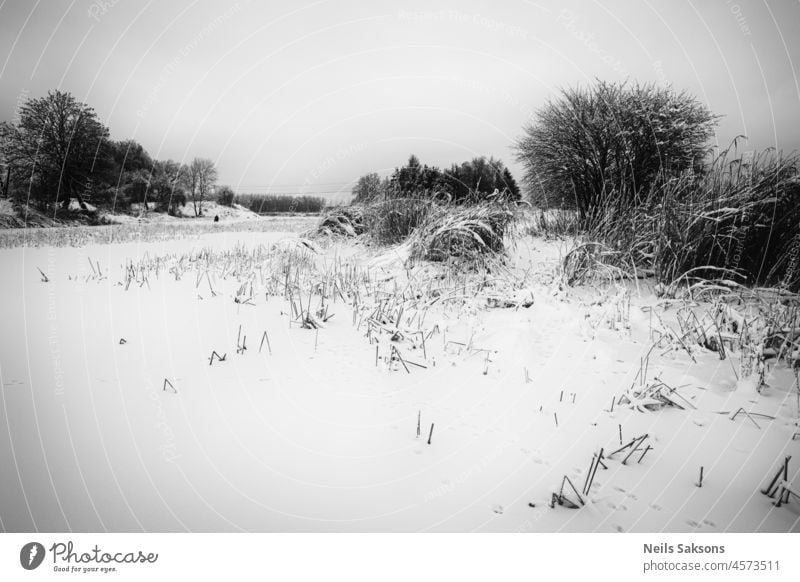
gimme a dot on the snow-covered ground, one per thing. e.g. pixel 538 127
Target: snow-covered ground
pixel 315 428
pixel 211 209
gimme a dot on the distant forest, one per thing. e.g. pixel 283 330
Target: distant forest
pixel 275 203
pixel 57 150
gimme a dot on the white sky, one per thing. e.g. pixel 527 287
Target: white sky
pixel 307 96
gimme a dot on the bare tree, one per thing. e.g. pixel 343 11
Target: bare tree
pixel 58 144
pixel 200 177
pixel 5 171
pixel 369 187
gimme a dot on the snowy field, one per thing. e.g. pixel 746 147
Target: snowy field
pixel 116 416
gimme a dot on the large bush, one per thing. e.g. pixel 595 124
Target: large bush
pixel 611 139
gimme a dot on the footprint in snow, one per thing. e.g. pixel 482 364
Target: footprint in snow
pixel 498 509
pixel 709 523
pixel 692 523
pixel 656 506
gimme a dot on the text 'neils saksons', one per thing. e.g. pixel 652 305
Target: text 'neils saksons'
pixel 665 548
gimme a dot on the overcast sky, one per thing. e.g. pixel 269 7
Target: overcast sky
pixel 307 96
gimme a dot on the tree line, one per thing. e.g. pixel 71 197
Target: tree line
pixel 58 150
pixel 477 180
pixel 280 203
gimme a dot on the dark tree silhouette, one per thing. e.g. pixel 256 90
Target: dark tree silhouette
pixel 55 148
pixel 414 179
pixel 480 179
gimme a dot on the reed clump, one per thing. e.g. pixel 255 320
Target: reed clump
pixel 738 220
pixel 344 221
pixel 393 220
pixel 466 232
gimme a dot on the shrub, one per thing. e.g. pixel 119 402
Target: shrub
pixel 177 199
pixel 225 195
pixel 612 138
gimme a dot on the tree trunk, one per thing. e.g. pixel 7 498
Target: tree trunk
pixel 63 190
pixel 6 182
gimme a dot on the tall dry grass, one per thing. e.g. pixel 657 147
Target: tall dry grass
pixel 471 232
pixel 739 220
pixel 436 229
pixel 395 219
pixel 551 223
